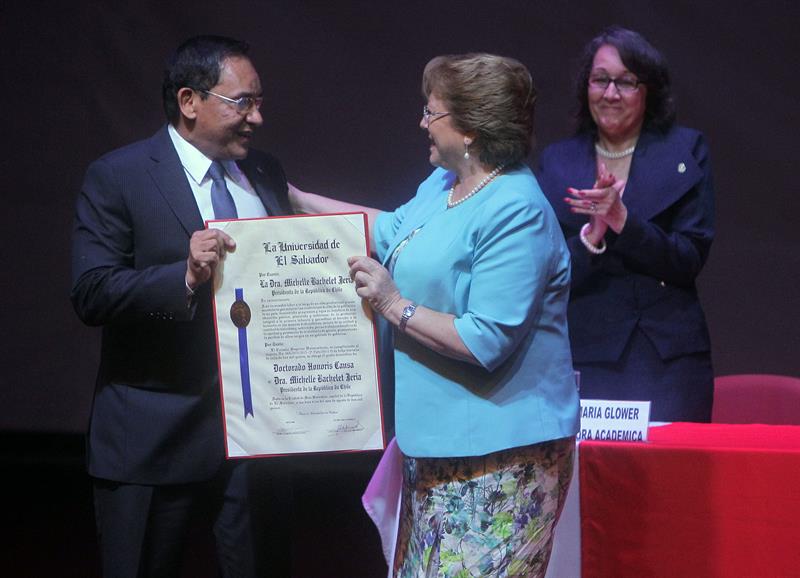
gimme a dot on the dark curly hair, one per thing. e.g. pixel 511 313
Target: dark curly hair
pixel 490 96
pixel 642 59
pixel 196 64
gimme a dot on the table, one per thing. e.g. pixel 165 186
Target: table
pixel 696 500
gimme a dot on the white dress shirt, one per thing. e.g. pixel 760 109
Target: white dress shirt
pixel 196 164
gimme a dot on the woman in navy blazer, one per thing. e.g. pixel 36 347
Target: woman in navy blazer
pixel 634 196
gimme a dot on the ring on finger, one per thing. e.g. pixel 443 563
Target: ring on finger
pixel 593 206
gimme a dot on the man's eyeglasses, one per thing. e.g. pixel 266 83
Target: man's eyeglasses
pixel 428 116
pixel 625 84
pixel 243 104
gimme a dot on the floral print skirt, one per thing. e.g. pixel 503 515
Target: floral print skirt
pixel 491 515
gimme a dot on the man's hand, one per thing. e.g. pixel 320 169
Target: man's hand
pixel 206 249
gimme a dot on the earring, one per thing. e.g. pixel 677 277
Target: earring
pixel 466 151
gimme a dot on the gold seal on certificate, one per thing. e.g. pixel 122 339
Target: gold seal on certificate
pixel 240 314
pixel 296 346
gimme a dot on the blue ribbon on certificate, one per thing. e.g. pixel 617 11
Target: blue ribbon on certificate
pixel 240 314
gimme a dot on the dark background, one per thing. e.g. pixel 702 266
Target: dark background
pixel 342 106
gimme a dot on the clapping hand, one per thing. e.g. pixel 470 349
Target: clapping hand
pixel 602 203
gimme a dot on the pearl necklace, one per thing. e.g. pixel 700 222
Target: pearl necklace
pixel 486 180
pixel 613 155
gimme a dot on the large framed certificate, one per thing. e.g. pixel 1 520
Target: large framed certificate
pixel 296 345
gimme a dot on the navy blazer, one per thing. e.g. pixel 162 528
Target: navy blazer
pixel 646 278
pixel 156 414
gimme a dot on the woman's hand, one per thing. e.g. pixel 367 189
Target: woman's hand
pixel 602 203
pixel 374 283
pixel 430 328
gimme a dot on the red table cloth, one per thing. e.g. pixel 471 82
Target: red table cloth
pixel 696 500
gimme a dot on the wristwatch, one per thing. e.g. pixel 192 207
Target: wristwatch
pixel 408 312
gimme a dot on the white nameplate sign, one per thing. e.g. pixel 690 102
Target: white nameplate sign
pixel 605 420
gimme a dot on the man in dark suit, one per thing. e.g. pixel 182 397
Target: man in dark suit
pixel 142 260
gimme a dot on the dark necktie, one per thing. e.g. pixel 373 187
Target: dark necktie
pixel 221 199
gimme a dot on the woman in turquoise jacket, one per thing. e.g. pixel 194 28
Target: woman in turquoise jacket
pixel 473 273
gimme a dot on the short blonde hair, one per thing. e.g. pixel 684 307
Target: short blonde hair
pixel 490 96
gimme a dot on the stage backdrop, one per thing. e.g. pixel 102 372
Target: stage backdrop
pixel 341 107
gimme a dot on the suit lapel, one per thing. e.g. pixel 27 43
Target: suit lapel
pixel 256 174
pixel 661 173
pixel 170 179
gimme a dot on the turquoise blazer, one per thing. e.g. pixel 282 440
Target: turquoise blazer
pixel 497 262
